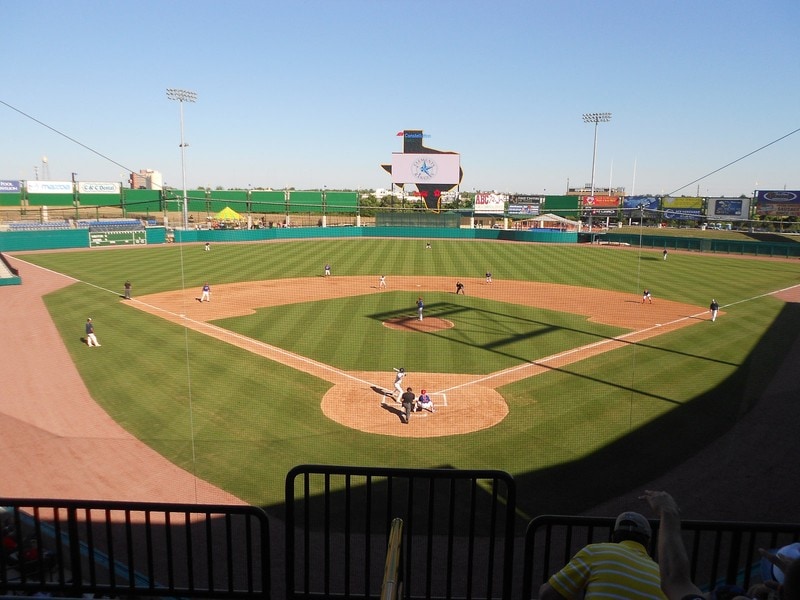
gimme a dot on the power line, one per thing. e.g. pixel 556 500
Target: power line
pixel 783 137
pixel 62 134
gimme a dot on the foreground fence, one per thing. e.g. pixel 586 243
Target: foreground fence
pixel 458 531
pixel 719 553
pixel 112 549
pixel 350 533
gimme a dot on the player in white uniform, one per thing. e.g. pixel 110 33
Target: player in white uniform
pixel 398 382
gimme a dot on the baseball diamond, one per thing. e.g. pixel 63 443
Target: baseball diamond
pixel 621 383
pixel 474 401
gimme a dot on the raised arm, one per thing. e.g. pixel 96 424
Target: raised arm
pixel 673 561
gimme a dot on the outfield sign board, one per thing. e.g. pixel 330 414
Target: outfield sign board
pixel 733 209
pixel 10 187
pixel 683 208
pixel 490 203
pixel 778 202
pixel 524 209
pixel 99 187
pixel 49 187
pixel 640 202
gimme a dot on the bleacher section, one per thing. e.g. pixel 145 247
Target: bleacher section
pixel 38 226
pixel 110 224
pixel 94 224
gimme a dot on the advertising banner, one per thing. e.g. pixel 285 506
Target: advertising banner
pixel 523 209
pixel 98 187
pixel 639 202
pixel 683 202
pixel 729 208
pixel 778 202
pixel 685 208
pixel 490 203
pixel 600 201
pixel 526 199
pixel 525 204
pixel 10 187
pixel 49 187
pixel 425 168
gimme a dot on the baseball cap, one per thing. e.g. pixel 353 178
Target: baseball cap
pixel 633 521
pixel 770 572
pixel 422 392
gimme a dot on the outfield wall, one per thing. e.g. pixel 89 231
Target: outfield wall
pixel 61 239
pixel 755 248
pixel 79 238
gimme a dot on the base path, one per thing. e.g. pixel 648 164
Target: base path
pixel 57 442
pixel 464 403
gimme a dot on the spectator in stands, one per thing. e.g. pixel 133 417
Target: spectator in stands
pixel 618 569
pixel 781 570
pixel 91 338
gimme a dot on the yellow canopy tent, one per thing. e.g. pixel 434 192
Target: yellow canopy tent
pixel 228 214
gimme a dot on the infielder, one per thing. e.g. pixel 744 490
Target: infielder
pixel 91 338
pixel 714 308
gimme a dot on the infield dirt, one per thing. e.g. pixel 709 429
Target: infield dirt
pixel 466 402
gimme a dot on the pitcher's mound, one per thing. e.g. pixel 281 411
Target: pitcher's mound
pixel 427 325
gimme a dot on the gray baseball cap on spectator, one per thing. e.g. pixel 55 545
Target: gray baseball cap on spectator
pixel 633 521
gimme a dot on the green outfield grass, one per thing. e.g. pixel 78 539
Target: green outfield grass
pixel 574 436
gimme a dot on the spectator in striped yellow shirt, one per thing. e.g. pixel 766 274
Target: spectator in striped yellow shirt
pixel 618 569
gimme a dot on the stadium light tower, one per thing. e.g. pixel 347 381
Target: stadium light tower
pixel 595 118
pixel 183 96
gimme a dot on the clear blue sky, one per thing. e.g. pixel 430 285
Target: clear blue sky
pixel 311 93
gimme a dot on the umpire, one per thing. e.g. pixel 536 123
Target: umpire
pixel 407 400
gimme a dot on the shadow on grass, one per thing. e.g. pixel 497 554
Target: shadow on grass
pixel 771 237
pixel 660 446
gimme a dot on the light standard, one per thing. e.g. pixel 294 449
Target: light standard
pixel 595 118
pixel 183 96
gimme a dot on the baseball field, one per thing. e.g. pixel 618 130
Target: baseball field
pixel 555 371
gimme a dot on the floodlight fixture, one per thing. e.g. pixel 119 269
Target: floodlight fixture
pixel 603 117
pixel 596 118
pixel 183 96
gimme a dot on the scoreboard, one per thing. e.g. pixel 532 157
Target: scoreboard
pixel 117 238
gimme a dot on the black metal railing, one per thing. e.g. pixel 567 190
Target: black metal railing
pixel 73 548
pixel 458 533
pixel 449 534
pixel 719 552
